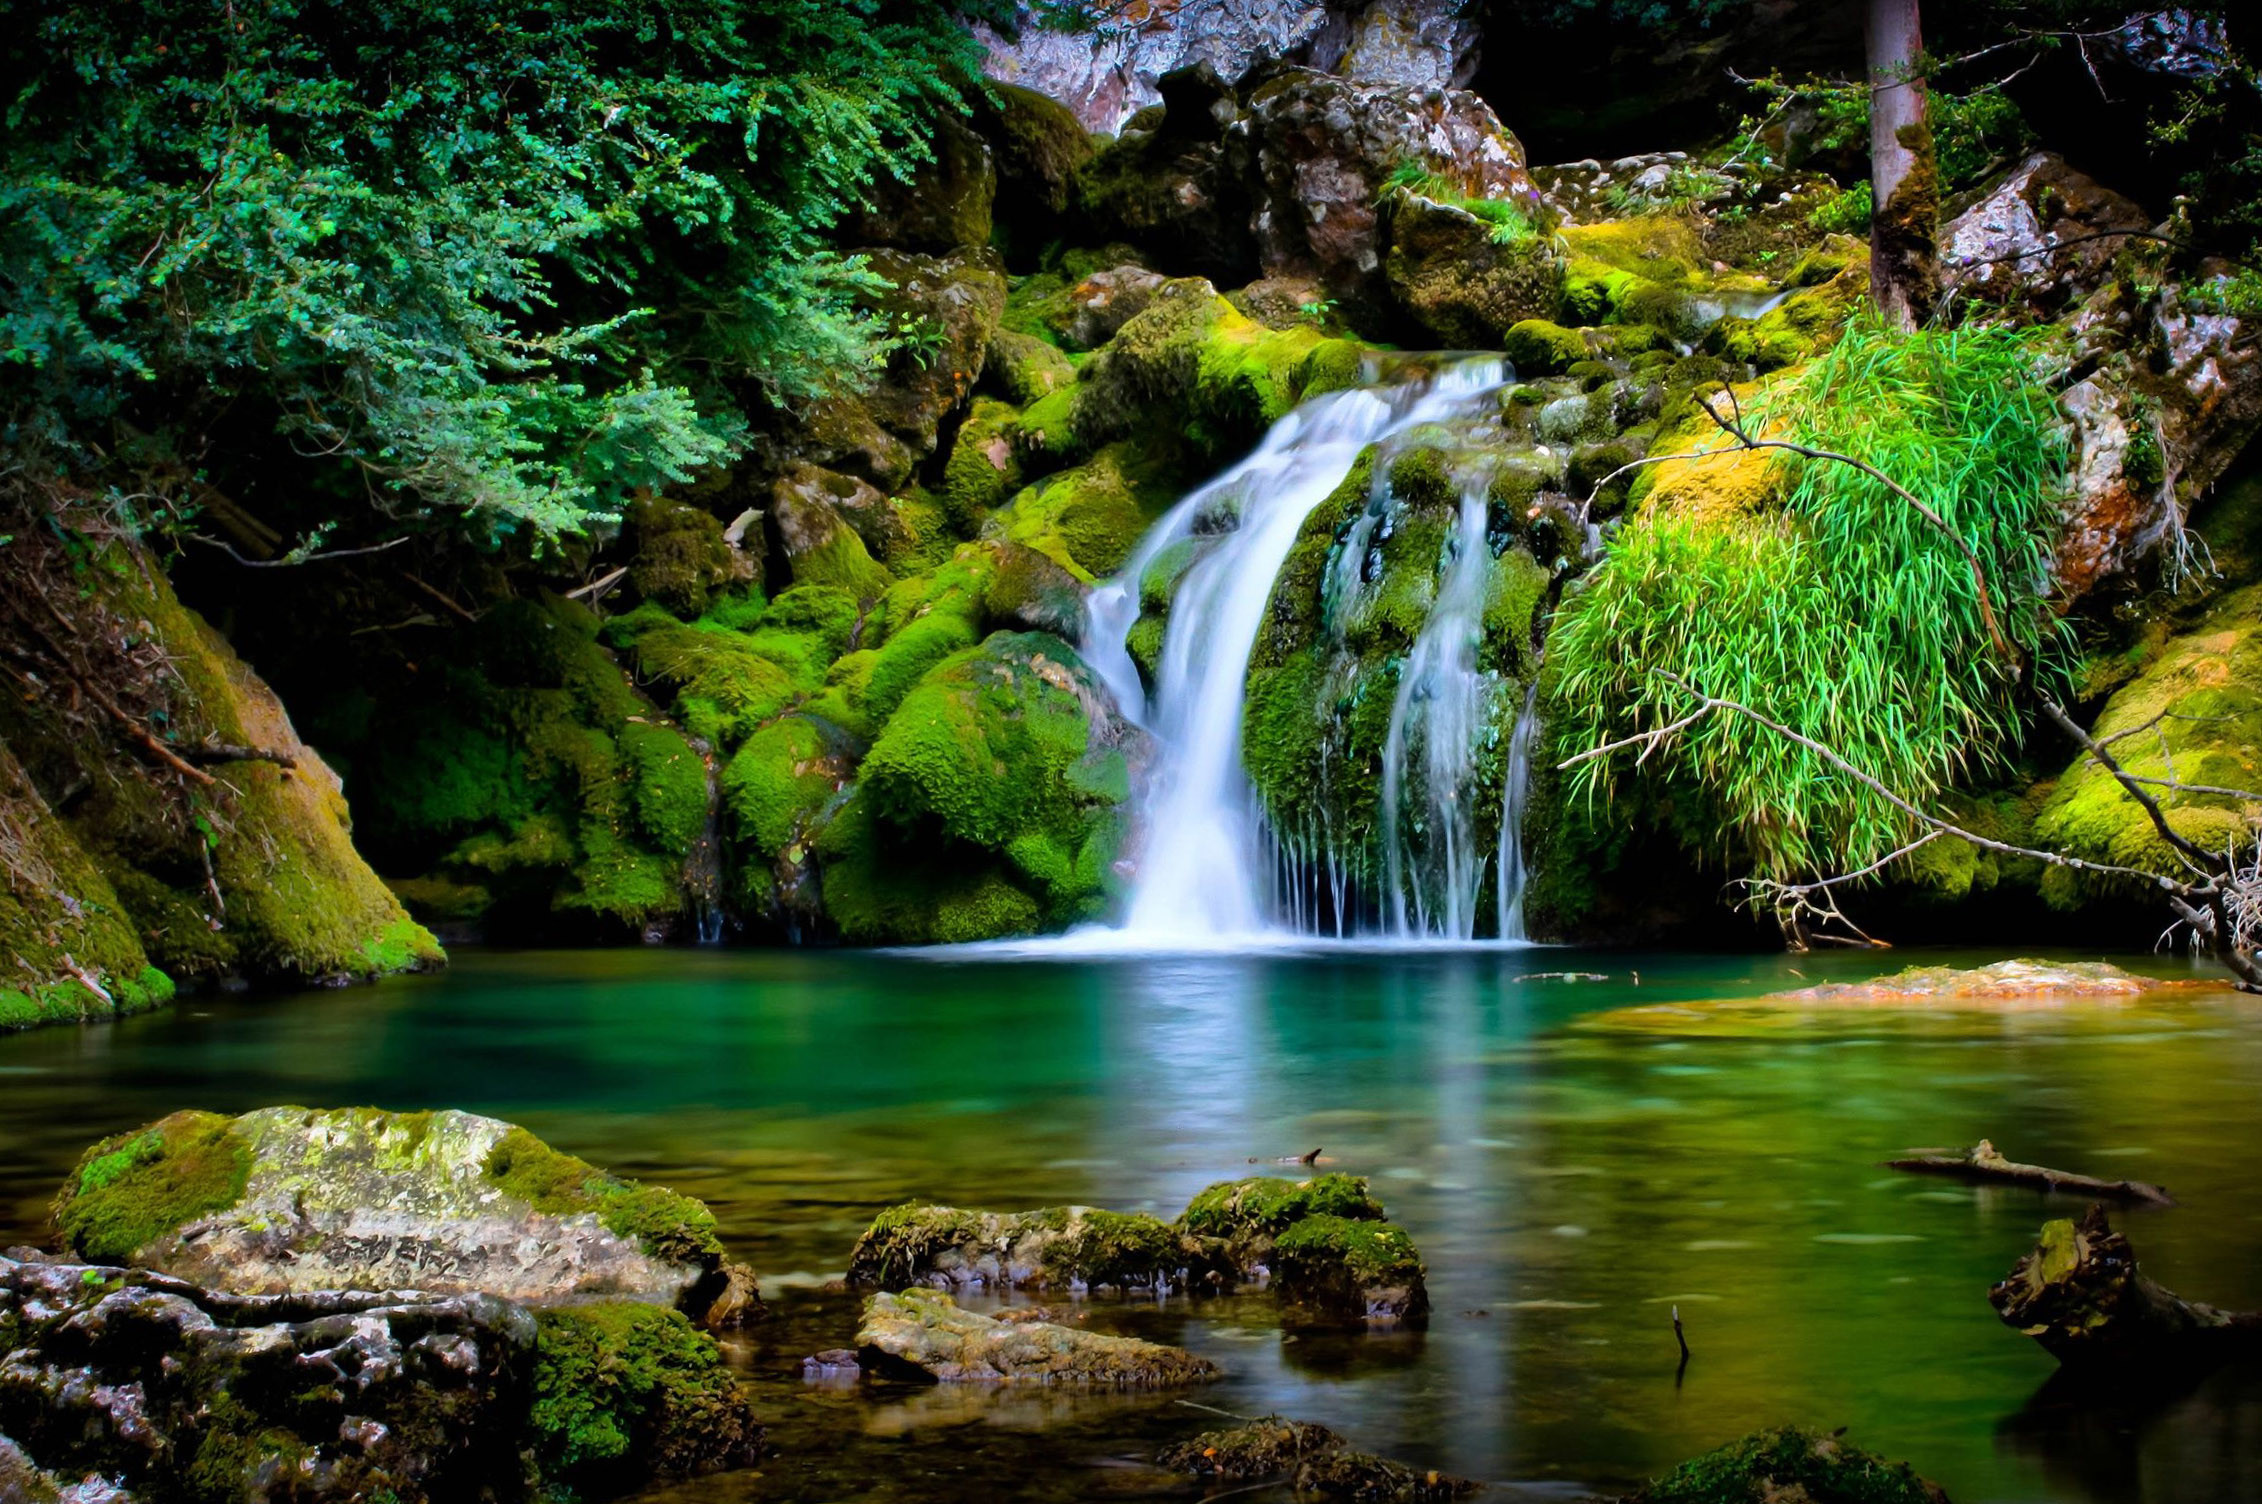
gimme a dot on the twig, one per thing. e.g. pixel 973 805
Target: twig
pixel 293 560
pixel 443 599
pixel 223 752
pixel 597 586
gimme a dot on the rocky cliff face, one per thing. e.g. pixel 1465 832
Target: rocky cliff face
pixel 1112 71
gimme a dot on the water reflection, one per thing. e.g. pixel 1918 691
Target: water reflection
pixel 1570 1173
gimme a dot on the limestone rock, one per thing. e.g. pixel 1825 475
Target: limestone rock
pixel 1465 289
pixel 1324 149
pixel 116 1384
pixel 1058 1248
pixel 924 1334
pixel 1109 74
pixel 286 1201
pixel 2026 236
pixel 131 1381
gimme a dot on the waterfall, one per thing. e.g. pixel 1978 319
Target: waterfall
pixel 1516 788
pixel 1432 868
pixel 1203 877
pixel 703 864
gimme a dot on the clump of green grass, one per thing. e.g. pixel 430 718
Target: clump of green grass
pixel 1846 212
pixel 1509 221
pixel 1844 615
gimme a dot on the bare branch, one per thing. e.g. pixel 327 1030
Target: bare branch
pixel 294 559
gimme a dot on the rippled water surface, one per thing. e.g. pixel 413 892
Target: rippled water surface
pixel 1571 1174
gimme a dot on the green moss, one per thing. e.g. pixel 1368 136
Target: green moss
pixel 670 786
pixel 904 1240
pixel 914 648
pixel 1371 1252
pixel 1025 369
pixel 1799 328
pixel 664 1224
pixel 130 1190
pixel 984 468
pixel 1266 1205
pixel 1786 1463
pixel 681 558
pixel 1537 347
pixel 777 782
pixel 2207 683
pixel 1090 518
pixel 622 1389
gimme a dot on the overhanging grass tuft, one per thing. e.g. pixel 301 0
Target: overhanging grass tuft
pixel 1845 615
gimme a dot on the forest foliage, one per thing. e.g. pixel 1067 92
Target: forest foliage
pixel 513 260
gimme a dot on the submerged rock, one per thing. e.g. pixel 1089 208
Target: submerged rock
pixel 1780 1466
pixel 2003 982
pixel 116 1384
pixel 1058 1248
pixel 923 1334
pixel 287 1201
pixel 1319 1462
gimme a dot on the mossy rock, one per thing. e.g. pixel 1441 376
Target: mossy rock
pixel 681 558
pixel 1788 1463
pixel 623 1390
pixel 1024 369
pixel 142 854
pixel 2207 682
pixel 1071 1248
pixel 923 1335
pixel 290 1199
pixel 1802 326
pixel 1537 347
pixel 1263 1206
pixel 778 782
pixel 984 468
pixel 1332 1269
pixel 1089 519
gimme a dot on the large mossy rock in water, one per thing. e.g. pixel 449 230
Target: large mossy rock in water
pixel 286 1200
pixel 1779 1466
pixel 172 819
pixel 1074 1248
pixel 923 1334
pixel 170 1391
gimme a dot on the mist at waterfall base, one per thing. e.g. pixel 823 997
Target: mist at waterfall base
pixel 1211 871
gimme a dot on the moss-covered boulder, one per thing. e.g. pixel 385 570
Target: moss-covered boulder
pixel 623 1390
pixel 681 557
pixel 1464 284
pixel 922 1334
pixel 992 802
pixel 1249 1215
pixel 1074 1248
pixel 944 204
pixel 201 837
pixel 1789 1463
pixel 1089 519
pixel 944 310
pixel 1024 369
pixel 288 1199
pixel 1539 347
pixel 163 1389
pixel 1343 1269
pixel 2202 692
pixel 1315 1461
pixel 1038 146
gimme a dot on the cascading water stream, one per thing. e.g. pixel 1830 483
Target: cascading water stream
pixel 1431 865
pixel 1201 880
pixel 1515 793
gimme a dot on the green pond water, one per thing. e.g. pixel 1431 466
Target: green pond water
pixel 1570 1176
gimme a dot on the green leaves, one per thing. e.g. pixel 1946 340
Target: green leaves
pixel 517 259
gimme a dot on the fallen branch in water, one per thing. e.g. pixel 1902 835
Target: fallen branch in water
pixel 1561 976
pixel 1983 1164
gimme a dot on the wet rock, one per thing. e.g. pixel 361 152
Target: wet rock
pixel 1037 146
pixel 1779 1466
pixel 832 1363
pixel 140 1381
pixel 288 1201
pixel 2003 982
pixel 1337 1269
pixel 1460 284
pixel 1368 1479
pixel 1283 302
pixel 945 308
pixel 144 1381
pixel 1059 1248
pixel 1263 1448
pixel 923 1334
pixel 2031 236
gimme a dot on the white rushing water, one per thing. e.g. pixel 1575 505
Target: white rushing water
pixel 1432 869
pixel 1203 878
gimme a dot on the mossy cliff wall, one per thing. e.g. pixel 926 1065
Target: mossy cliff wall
pixel 163 821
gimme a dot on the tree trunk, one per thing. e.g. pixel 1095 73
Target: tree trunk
pixel 2079 1294
pixel 1904 270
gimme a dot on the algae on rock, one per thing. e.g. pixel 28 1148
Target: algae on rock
pixel 923 1334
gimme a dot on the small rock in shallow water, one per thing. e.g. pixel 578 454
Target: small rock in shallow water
pixel 1058 1248
pixel 1786 1464
pixel 922 1334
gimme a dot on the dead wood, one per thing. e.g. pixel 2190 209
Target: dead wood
pixel 1982 1164
pixel 2079 1294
